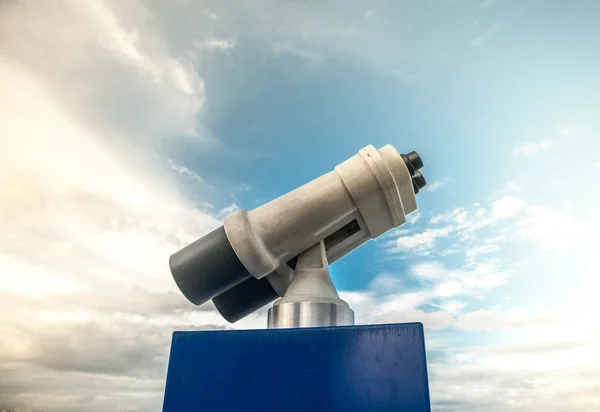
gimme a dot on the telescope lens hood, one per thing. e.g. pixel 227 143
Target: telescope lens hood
pixel 207 268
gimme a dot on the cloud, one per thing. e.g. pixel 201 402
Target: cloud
pixel 227 210
pixel 532 148
pixel 526 347
pixel 445 282
pixel 479 40
pixel 432 187
pixel 413 217
pixel 518 377
pixel 568 131
pixel 387 300
pixel 216 44
pixel 123 44
pixel 554 230
pixel 313 58
pixel 507 207
pixel 513 186
pixel 452 306
pixel 385 283
pixel 182 170
pixel 140 86
pixel 88 218
pixel 421 242
pixel 473 253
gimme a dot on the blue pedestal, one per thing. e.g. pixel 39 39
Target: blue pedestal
pixel 356 368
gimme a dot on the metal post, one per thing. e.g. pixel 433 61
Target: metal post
pixel 311 299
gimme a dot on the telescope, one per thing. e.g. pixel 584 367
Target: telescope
pixel 280 253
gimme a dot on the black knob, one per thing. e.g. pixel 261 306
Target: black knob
pixel 419 179
pixel 419 182
pixel 412 161
pixel 415 159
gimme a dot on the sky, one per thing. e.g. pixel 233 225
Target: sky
pixel 130 128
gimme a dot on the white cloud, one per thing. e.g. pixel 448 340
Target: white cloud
pixel 182 170
pixel 88 218
pixel 227 210
pixel 216 44
pixel 436 219
pixel 452 306
pixel 385 283
pixel 568 131
pixel 432 187
pixel 163 70
pixel 447 282
pixel 513 186
pixel 413 217
pixel 532 148
pixel 507 207
pixel 79 228
pixel 487 319
pixel 534 374
pixel 474 252
pixel 315 59
pixel 385 301
pixel 423 241
pixel 555 231
pixel 530 339
pixel 62 209
pixel 368 14
pixel 435 185
pixel 108 65
pixel 534 346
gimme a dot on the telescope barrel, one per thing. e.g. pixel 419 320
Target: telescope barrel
pixel 362 198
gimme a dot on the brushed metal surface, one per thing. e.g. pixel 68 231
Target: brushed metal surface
pixel 310 314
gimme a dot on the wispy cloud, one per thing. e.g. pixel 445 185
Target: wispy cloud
pixel 554 230
pixel 182 170
pixel 568 131
pixel 414 217
pixel 507 207
pixel 532 148
pixel 441 287
pixel 125 44
pixel 87 224
pixel 313 58
pixel 513 186
pixel 129 61
pixel 216 44
pixel 539 344
pixel 435 185
pixel 421 242
pixel 479 40
pixel 461 231
pixel 227 210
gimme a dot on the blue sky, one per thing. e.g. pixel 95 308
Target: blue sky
pixel 131 128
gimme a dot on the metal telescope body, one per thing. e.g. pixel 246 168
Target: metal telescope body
pixel 252 259
pixel 311 355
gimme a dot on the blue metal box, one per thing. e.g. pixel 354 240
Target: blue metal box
pixel 355 368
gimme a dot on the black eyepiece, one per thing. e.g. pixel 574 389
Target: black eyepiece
pixel 419 182
pixel 413 162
